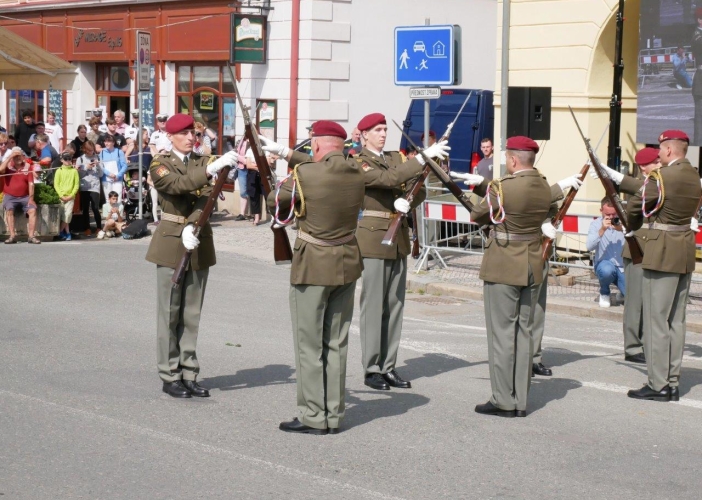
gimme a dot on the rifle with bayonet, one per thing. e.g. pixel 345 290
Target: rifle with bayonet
pixel 611 192
pixel 391 234
pixel 179 272
pixel 282 252
pixel 547 244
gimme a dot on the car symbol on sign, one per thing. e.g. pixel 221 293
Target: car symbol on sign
pixel 419 46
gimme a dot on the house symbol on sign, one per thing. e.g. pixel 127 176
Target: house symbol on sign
pixel 438 49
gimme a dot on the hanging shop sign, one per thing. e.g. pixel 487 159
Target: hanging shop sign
pixel 248 39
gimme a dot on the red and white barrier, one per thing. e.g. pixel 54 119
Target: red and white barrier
pixel 663 58
pixel 448 212
pixel 451 212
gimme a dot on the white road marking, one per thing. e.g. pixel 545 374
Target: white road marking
pixel 547 338
pixel 189 443
pixel 690 403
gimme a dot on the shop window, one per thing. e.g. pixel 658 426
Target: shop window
pixel 20 101
pixel 202 92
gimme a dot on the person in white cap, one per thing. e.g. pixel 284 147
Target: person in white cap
pixel 159 142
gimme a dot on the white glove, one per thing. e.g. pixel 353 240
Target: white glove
pixel 631 233
pixel 190 241
pixel 402 205
pixel 226 160
pixel 573 182
pixel 695 224
pixel 274 147
pixel 468 179
pixel 439 150
pixel 549 230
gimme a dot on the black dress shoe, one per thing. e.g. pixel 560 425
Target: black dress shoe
pixel 490 409
pixel 540 369
pixel 376 381
pixel 334 430
pixel 394 380
pixel 675 393
pixel 296 426
pixel 647 393
pixel 636 358
pixel 195 389
pixel 520 413
pixel 176 389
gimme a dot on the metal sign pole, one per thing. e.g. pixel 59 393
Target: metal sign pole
pixel 141 154
pixel 505 84
pixel 427 108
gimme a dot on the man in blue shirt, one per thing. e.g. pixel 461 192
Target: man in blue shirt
pixel 606 238
pixel 682 77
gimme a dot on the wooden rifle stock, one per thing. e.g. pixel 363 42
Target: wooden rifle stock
pixel 282 252
pixel 179 273
pixel 611 193
pixel 391 234
pixel 547 244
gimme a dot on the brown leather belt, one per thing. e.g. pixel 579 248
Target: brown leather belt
pixel 669 227
pixel 379 214
pixel 178 219
pixel 514 237
pixel 324 243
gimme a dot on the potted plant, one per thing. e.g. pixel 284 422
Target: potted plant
pixel 48 210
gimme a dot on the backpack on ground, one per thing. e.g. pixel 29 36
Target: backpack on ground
pixel 135 230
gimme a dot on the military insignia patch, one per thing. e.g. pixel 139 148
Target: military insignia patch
pixel 366 167
pixel 162 171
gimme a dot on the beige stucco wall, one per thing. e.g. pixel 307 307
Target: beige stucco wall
pixel 569 45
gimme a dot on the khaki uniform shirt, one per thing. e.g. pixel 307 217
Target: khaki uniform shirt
pixel 182 191
pixel 384 178
pixel 669 251
pixel 527 203
pixel 333 191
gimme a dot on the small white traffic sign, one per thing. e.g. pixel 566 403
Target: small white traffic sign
pixel 425 92
pixel 143 57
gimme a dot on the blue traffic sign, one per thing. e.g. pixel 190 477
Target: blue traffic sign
pixel 424 55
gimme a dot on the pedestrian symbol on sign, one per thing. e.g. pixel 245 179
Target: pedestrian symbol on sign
pixel 403 60
pixel 423 65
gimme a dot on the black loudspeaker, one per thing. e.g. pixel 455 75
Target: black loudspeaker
pixel 529 112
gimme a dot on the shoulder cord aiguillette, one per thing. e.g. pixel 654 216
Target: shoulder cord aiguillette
pixel 296 187
pixel 499 217
pixel 655 175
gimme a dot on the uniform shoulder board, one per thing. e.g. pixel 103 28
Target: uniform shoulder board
pixel 507 177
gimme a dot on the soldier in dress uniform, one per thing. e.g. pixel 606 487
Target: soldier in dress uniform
pixel 480 185
pixel 385 266
pixel 512 270
pixel 669 199
pixel 328 192
pixel 182 180
pixel 648 160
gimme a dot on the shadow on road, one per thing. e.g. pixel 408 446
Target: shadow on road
pixel 554 357
pixel 432 364
pixel 252 377
pixel 545 390
pixel 385 404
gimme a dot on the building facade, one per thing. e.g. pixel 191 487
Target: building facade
pixel 330 59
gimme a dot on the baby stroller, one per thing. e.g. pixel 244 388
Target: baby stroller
pixel 130 195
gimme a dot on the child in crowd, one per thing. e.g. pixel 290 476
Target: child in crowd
pixel 113 212
pixel 66 184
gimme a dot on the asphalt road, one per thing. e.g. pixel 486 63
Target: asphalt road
pixel 82 414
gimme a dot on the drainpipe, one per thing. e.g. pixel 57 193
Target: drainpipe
pixel 294 68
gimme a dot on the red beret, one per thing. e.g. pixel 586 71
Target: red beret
pixel 646 156
pixel 673 134
pixel 522 143
pixel 431 134
pixel 698 12
pixel 370 121
pixel 179 122
pixel 327 127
